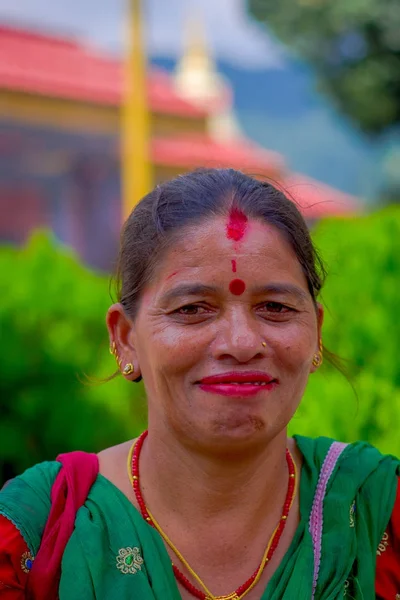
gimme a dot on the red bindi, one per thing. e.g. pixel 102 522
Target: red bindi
pixel 237 224
pixel 234 266
pixel 237 287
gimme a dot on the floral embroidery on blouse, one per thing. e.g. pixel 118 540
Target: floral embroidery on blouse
pixel 384 543
pixel 129 560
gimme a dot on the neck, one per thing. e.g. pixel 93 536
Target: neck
pixel 195 487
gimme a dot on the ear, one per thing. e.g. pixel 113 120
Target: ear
pixel 320 320
pixel 121 331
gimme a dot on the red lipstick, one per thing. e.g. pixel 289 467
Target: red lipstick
pixel 238 383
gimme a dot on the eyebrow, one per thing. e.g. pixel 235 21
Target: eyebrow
pixel 199 289
pixel 196 289
pixel 286 289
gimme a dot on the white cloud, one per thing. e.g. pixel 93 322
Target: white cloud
pixel 230 32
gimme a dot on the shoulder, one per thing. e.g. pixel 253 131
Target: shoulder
pixel 113 465
pixel 348 475
pixel 358 455
pixel 353 469
pixel 35 482
pixel 25 501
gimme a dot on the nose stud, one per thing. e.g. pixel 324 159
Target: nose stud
pixel 264 344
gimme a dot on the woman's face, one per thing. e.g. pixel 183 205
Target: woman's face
pixel 229 302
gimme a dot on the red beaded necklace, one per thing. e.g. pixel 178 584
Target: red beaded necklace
pixel 271 547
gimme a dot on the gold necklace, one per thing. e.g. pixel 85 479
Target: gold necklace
pixel 274 539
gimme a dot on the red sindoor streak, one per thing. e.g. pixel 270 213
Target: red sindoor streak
pixel 235 231
pixel 237 225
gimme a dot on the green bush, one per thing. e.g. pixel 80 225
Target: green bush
pixel 362 301
pixel 52 320
pixel 53 333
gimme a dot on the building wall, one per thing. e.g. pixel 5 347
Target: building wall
pixel 85 116
pixel 62 180
pixel 59 168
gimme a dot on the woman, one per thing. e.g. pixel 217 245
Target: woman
pixel 218 314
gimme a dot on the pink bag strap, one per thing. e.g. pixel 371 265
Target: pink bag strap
pixel 69 492
pixel 317 511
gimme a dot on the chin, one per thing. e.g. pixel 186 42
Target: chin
pixel 237 429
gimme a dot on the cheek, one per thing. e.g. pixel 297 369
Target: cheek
pixel 294 349
pixel 170 350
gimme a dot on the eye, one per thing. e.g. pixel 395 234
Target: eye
pixel 276 308
pixel 189 309
pixel 192 313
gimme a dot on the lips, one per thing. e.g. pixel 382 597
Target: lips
pixel 255 377
pixel 242 383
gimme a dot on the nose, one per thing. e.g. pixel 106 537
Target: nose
pixel 238 337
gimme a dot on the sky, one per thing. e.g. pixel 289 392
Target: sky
pixel 240 40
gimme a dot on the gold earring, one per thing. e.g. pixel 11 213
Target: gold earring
pixel 128 369
pixel 113 351
pixel 317 360
pixel 318 357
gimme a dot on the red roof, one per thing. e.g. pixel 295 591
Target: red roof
pixel 47 65
pixel 316 199
pixel 191 151
pixel 51 66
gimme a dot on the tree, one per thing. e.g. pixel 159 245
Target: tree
pixel 52 322
pixel 354 46
pixel 361 297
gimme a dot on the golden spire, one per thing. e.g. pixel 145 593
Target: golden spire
pixel 196 75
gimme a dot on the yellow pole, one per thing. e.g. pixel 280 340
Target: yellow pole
pixel 135 121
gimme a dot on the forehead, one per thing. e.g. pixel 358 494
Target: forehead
pixel 210 246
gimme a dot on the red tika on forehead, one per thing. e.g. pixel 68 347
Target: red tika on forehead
pixel 237 287
pixel 234 265
pixel 237 224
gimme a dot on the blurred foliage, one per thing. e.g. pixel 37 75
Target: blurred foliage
pixel 354 45
pixel 53 332
pixel 361 299
pixel 52 321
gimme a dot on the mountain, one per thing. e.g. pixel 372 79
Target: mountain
pixel 282 110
